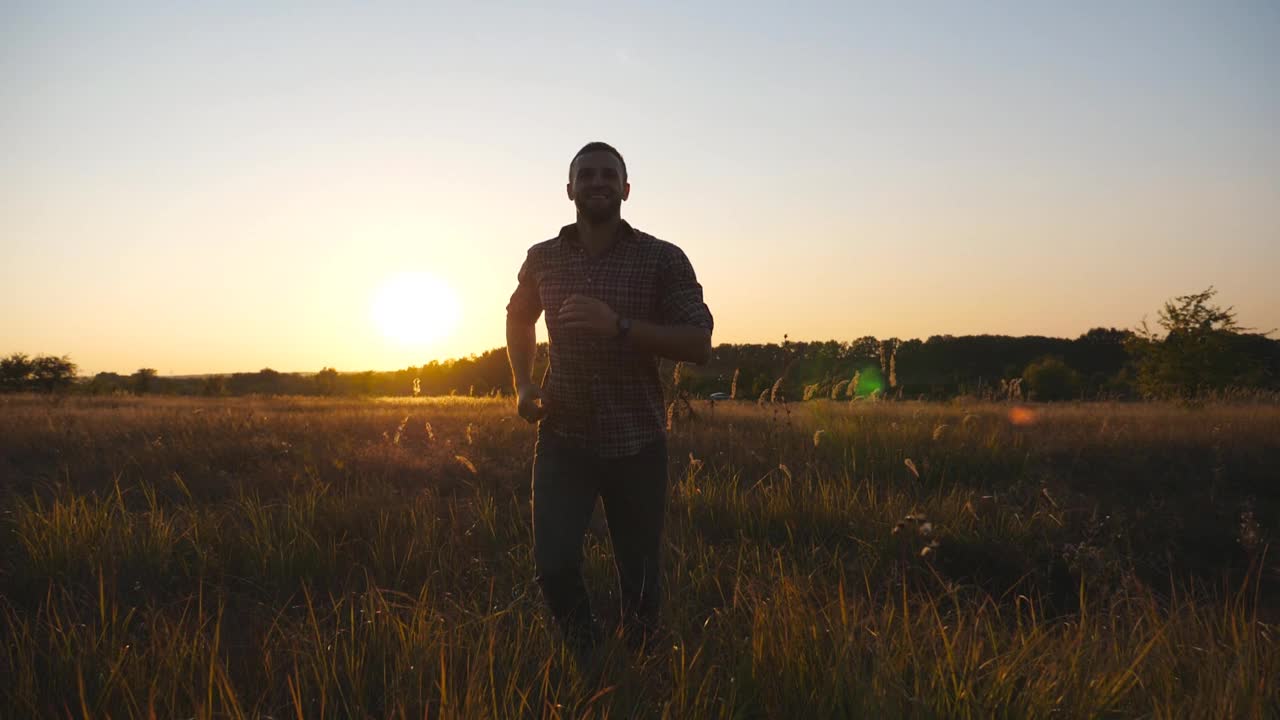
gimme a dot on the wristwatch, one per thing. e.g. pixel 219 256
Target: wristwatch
pixel 624 327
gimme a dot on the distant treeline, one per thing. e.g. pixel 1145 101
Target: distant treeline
pixel 1097 365
pixel 1201 351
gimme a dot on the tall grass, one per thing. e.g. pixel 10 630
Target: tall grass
pixel 335 558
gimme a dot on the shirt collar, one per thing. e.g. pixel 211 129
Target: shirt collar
pixel 569 234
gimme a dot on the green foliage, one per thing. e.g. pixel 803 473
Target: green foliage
pixel 1202 349
pixel 1050 378
pixel 1192 314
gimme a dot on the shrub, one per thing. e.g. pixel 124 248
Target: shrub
pixel 1050 378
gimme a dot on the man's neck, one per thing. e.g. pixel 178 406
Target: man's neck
pixel 597 237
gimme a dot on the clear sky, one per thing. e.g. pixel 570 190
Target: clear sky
pixel 214 189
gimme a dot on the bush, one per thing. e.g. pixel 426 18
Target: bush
pixel 1050 378
pixel 44 372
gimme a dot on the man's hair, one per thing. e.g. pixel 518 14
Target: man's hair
pixel 599 147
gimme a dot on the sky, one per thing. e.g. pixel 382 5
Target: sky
pixel 217 189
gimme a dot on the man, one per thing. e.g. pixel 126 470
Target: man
pixel 616 299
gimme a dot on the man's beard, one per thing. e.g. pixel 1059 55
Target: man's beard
pixel 599 212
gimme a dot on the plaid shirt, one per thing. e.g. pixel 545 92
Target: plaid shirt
pixel 598 393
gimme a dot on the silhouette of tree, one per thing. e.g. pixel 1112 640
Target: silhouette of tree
pixel 1202 349
pixel 362 383
pixel 268 382
pixel 53 373
pixel 15 372
pixel 107 383
pixel 1190 314
pixel 326 381
pixel 143 380
pixel 214 386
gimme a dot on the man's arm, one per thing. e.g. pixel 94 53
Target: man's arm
pixel 677 342
pixel 685 331
pixel 522 340
pixel 522 319
pixel 690 343
pixel 522 343
pixel 684 334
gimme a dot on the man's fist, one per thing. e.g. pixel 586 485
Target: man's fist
pixel 589 315
pixel 529 403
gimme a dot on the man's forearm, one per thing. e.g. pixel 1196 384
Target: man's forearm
pixel 677 342
pixel 522 343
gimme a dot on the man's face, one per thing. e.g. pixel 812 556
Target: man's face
pixel 597 187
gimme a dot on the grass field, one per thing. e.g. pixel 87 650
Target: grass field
pixel 311 558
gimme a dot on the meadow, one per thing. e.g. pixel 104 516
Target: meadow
pixel 308 558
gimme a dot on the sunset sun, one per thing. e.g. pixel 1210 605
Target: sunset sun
pixel 415 309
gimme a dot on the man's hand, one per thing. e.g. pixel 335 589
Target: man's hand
pixel 590 315
pixel 529 403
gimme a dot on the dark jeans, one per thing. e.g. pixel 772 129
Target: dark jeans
pixel 566 482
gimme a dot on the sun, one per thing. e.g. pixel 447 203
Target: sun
pixel 415 309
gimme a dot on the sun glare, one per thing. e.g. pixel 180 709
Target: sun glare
pixel 415 309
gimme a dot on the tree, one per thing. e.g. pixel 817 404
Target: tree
pixel 143 380
pixel 15 372
pixel 327 381
pixel 53 373
pixel 1192 314
pixel 107 382
pixel 1203 348
pixel 1050 378
pixel 214 386
pixel 268 381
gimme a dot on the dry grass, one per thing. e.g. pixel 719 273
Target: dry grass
pixel 334 558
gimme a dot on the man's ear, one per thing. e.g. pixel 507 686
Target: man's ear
pixel 626 190
pixel 568 190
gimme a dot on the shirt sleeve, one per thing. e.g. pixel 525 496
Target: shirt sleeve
pixel 681 295
pixel 525 305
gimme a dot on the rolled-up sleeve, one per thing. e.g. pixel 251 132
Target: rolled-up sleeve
pixel 525 305
pixel 681 298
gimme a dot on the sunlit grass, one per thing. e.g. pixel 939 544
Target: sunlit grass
pixel 343 558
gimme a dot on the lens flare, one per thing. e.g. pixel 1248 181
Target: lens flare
pixel 1022 415
pixel 870 381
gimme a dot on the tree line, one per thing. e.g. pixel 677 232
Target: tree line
pixel 1196 349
